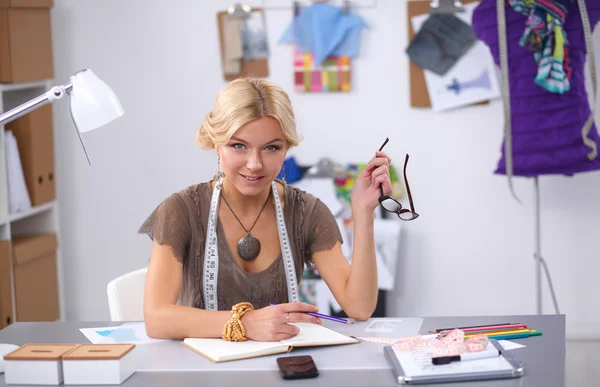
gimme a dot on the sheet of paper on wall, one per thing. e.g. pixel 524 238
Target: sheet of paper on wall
pixel 254 36
pixel 471 80
pixel 346 231
pixel 233 52
pixel 387 243
pixel 323 189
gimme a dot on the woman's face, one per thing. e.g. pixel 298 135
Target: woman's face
pixel 254 155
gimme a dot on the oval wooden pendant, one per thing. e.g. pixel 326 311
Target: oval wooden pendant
pixel 248 248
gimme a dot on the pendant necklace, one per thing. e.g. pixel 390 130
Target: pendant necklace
pixel 248 247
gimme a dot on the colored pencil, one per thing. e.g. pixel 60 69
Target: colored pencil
pixel 470 327
pixel 501 333
pixel 495 328
pixel 517 336
pixel 492 328
pixel 470 333
pixel 325 316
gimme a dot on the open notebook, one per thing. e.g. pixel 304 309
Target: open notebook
pixel 311 335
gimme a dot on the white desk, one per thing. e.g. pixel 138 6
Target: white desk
pixel 364 364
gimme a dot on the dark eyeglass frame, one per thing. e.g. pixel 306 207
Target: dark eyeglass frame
pixel 400 211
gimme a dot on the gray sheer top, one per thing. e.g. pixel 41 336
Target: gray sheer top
pixel 180 221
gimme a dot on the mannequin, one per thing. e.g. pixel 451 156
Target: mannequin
pixel 546 127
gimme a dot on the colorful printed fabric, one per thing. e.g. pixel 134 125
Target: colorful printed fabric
pixel 332 76
pixel 545 36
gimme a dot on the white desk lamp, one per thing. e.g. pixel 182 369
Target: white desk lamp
pixel 92 103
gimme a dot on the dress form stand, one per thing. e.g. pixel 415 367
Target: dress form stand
pixel 537 255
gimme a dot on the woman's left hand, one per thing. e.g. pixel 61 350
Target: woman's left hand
pixel 366 193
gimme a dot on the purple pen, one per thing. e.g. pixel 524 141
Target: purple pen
pixel 324 316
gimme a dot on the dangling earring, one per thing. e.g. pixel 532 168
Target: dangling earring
pixel 283 177
pixel 218 173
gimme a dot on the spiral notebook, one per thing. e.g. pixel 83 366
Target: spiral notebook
pixel 311 335
pixel 415 367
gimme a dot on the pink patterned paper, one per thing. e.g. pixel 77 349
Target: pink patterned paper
pixel 451 345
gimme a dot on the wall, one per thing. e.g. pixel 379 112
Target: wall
pixel 470 252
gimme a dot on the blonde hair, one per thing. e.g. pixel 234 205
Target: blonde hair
pixel 244 100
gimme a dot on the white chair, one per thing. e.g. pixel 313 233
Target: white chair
pixel 126 296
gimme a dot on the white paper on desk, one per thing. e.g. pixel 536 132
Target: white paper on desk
pixel 96 335
pixel 472 79
pixel 383 325
pixel 508 345
pixel 323 189
pixel 392 340
pixel 130 333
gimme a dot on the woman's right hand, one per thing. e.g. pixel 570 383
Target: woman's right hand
pixel 271 323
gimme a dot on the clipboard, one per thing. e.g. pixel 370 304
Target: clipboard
pixel 258 68
pixel 419 95
pixel 500 367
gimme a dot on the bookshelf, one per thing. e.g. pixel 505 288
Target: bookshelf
pixel 32 221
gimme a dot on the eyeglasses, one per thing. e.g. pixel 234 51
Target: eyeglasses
pixel 392 205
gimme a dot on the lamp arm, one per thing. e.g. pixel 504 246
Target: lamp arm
pixel 57 92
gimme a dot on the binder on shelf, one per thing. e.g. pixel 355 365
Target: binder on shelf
pixel 18 197
pixel 34 134
pixel 6 304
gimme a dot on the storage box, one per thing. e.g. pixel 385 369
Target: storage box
pixel 36 284
pixel 6 305
pixel 25 40
pixel 34 134
pixel 99 364
pixel 36 364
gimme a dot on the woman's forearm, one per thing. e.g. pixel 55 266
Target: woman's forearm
pixel 178 322
pixel 361 289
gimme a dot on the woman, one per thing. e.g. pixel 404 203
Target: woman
pixel 209 258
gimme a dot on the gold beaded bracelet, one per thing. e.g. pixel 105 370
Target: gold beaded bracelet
pixel 234 329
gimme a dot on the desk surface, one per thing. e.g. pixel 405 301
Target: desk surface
pixel 363 364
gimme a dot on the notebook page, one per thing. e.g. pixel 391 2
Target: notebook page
pixel 221 350
pixel 313 334
pixel 417 362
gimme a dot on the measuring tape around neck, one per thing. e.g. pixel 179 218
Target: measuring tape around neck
pixel 286 251
pixel 211 252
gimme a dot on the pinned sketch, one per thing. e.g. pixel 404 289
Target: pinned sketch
pixel 471 80
pixel 323 189
pixel 483 81
pixel 254 37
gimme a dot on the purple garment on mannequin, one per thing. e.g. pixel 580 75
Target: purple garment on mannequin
pixel 546 127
